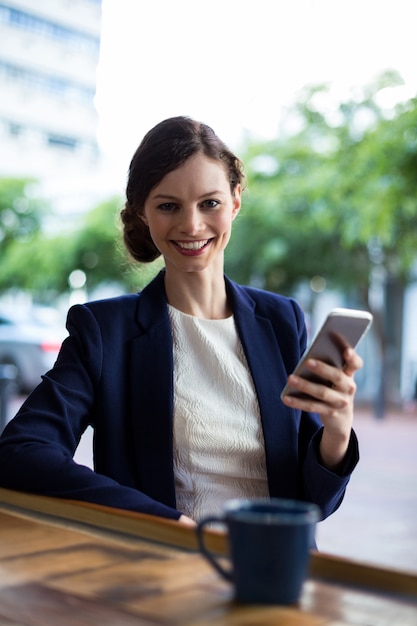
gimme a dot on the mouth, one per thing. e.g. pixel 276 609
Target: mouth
pixel 193 246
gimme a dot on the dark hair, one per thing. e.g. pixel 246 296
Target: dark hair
pixel 164 148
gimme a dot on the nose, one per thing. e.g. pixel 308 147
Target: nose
pixel 191 221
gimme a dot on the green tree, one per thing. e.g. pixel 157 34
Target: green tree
pixel 35 265
pixel 96 246
pixel 42 263
pixel 21 211
pixel 99 251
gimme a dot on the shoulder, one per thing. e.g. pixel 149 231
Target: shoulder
pixel 111 319
pixel 109 307
pixel 267 304
pixel 128 313
pixel 281 317
pixel 113 306
pixel 282 313
pixel 268 299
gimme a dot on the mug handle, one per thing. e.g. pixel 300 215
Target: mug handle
pixel 205 552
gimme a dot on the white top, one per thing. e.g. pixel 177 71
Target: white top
pixel 218 441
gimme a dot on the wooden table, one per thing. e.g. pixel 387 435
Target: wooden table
pixel 64 563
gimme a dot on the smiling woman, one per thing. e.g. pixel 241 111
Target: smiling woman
pixel 152 181
pixel 181 383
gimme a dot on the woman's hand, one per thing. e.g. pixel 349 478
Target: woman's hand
pixel 333 403
pixel 187 521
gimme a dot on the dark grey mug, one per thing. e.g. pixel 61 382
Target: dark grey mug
pixel 269 542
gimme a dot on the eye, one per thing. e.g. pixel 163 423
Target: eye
pixel 210 204
pixel 167 207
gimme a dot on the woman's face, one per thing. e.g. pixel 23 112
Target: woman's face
pixel 190 213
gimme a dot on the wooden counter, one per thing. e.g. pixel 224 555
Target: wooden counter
pixel 64 564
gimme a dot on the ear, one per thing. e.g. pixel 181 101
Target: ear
pixel 144 219
pixel 237 200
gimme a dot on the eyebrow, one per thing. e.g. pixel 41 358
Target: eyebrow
pixel 166 196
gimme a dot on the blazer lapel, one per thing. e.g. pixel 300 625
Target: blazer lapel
pixel 269 374
pixel 152 395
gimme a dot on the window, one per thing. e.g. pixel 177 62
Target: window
pixel 47 82
pixel 62 141
pixel 15 129
pixel 46 28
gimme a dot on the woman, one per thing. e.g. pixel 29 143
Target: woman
pixel 182 382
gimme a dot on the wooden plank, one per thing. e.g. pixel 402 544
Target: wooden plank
pixel 106 518
pixel 137 525
pixel 343 606
pixel 36 605
pixel 32 537
pixel 344 571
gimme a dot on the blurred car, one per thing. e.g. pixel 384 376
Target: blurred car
pixel 31 345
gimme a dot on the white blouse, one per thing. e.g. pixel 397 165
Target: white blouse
pixel 218 440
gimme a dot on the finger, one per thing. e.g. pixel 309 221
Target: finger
pixel 330 382
pixel 322 400
pixel 353 362
pixel 333 391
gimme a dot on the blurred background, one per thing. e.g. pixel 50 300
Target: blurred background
pixel 318 97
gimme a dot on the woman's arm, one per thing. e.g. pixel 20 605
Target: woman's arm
pixel 37 446
pixel 334 405
pixel 35 459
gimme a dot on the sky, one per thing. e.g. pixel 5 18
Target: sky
pixel 237 64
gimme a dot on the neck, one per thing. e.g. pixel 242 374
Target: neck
pixel 197 294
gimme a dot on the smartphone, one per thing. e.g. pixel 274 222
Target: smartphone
pixel 342 328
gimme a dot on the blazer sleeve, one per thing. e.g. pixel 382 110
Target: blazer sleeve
pixel 320 485
pixel 317 483
pixel 37 446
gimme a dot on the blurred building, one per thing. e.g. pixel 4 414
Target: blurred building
pixel 49 51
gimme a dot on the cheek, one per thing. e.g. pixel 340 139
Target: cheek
pixel 153 224
pixel 225 224
pixel 159 230
pixel 224 230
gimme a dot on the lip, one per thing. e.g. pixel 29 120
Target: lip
pixel 192 251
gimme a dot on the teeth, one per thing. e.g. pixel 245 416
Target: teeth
pixel 192 245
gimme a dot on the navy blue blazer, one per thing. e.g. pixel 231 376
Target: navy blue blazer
pixel 115 372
